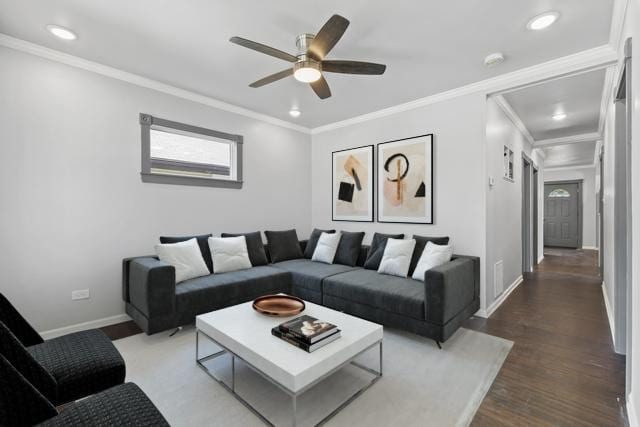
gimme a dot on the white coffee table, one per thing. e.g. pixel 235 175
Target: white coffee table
pixel 245 334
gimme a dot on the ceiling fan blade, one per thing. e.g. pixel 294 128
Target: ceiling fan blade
pixel 328 36
pixel 268 50
pixel 272 78
pixel 321 88
pixel 353 67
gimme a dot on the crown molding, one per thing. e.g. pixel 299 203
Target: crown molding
pixel 513 116
pixel 595 58
pixel 572 139
pixel 582 61
pixel 570 167
pixel 105 70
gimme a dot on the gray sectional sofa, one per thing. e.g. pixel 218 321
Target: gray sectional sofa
pixel 435 307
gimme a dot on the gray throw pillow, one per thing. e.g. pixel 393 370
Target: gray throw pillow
pixel 349 248
pixel 257 255
pixel 313 241
pixel 376 250
pixel 421 242
pixel 283 245
pixel 203 243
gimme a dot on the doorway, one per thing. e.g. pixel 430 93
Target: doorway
pixel 563 214
pixel 527 220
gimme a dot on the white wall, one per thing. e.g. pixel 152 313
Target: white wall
pixel 459 189
pixel 504 200
pixel 589 199
pixel 73 204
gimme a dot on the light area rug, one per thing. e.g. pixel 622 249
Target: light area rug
pixel 421 385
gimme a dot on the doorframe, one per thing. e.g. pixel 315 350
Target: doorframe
pixel 527 246
pixel 580 205
pixel 536 214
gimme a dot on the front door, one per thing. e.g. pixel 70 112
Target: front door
pixel 561 214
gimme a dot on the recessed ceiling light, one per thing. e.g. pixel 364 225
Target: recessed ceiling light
pixel 493 59
pixel 294 112
pixel 559 116
pixel 61 32
pixel 542 21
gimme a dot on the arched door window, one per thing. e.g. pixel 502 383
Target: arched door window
pixel 559 192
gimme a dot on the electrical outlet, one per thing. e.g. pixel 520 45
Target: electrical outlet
pixel 80 294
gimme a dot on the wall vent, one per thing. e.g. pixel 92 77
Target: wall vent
pixel 498 278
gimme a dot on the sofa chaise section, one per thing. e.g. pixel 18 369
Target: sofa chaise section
pixel 307 276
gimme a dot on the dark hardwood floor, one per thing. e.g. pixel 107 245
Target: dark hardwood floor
pixel 562 370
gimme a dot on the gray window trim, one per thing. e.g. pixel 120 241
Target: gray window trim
pixel 147 121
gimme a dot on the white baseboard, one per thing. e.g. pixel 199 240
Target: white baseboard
pixel 92 324
pixel 610 315
pixel 592 248
pixel 501 298
pixel 631 412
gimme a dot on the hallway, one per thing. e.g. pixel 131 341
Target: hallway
pixel 562 369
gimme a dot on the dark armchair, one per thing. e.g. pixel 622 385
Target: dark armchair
pixel 63 369
pixel 21 404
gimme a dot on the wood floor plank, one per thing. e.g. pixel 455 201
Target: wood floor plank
pixel 562 370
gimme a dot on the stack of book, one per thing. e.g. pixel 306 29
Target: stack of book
pixel 307 333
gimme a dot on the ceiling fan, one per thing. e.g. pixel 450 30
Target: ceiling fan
pixel 309 63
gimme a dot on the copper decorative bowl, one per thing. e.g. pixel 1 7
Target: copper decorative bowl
pixel 278 305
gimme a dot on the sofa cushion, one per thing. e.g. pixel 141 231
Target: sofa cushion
pixel 257 255
pixel 283 245
pixel 208 293
pixel 376 250
pixel 421 242
pixel 203 243
pixel 310 274
pixel 349 248
pixel 313 241
pixel 398 295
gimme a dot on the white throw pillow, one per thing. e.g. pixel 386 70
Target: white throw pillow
pixel 185 257
pixel 229 253
pixel 326 248
pixel 432 256
pixel 397 257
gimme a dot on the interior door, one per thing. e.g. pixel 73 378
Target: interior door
pixel 561 210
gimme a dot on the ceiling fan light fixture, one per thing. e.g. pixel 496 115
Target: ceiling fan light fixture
pixel 306 71
pixel 559 116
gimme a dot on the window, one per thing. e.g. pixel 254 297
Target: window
pixel 176 153
pixel 559 192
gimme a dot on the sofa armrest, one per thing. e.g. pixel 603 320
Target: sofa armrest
pixel 152 286
pixel 449 289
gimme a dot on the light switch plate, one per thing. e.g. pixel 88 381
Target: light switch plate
pixel 80 294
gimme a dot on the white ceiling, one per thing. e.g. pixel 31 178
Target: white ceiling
pixel 578 154
pixel 578 96
pixel 428 46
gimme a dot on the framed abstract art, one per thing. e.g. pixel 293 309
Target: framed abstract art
pixel 352 191
pixel 405 180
